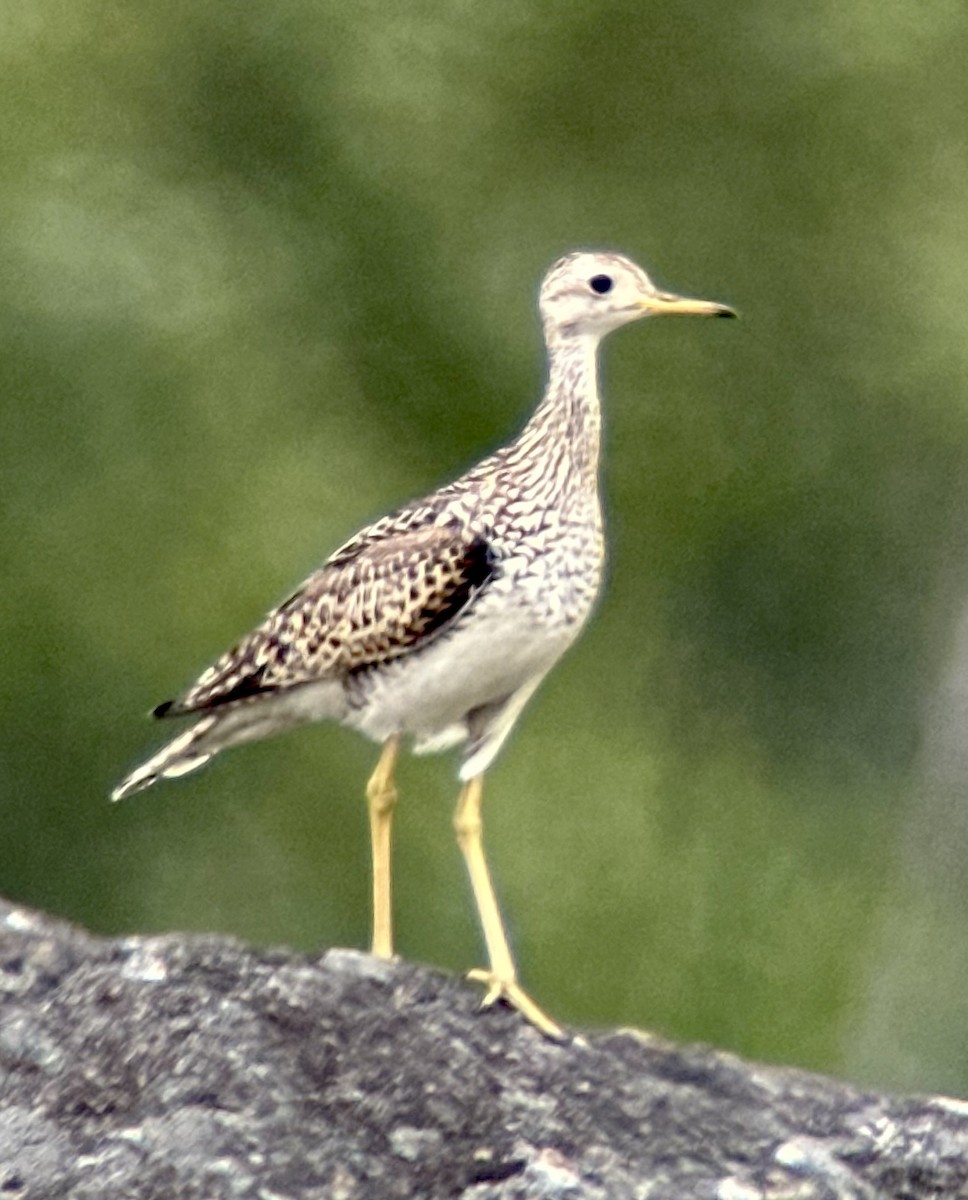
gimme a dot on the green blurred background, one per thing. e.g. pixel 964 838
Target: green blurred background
pixel 269 269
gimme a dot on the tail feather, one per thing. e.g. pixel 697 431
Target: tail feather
pixel 180 756
pixel 245 721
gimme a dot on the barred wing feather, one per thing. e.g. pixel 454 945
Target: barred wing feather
pixel 379 597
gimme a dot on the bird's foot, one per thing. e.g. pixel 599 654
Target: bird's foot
pixel 510 991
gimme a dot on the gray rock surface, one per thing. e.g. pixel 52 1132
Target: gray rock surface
pixel 193 1067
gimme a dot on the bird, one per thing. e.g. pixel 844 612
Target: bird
pixel 436 623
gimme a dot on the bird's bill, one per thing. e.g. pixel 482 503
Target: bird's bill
pixel 666 304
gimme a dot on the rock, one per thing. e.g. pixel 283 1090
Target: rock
pixel 176 1068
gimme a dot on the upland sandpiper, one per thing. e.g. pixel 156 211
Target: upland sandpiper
pixel 439 621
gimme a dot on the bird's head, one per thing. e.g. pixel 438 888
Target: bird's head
pixel 588 294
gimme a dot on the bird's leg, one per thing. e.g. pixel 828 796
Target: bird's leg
pixel 501 977
pixel 381 796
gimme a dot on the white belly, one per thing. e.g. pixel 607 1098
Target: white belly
pixel 430 693
pixel 470 683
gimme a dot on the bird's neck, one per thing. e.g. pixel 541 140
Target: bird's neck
pixel 564 435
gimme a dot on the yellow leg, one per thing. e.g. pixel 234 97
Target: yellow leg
pixel 501 977
pixel 381 796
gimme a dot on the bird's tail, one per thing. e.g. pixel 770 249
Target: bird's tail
pixel 231 725
pixel 190 750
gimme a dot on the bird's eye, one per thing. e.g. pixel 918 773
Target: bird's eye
pixel 601 284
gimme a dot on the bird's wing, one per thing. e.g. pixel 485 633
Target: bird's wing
pixel 377 598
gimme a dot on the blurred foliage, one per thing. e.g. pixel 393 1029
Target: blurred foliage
pixel 270 268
